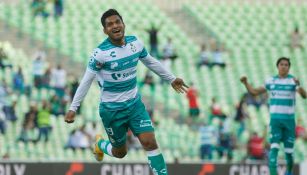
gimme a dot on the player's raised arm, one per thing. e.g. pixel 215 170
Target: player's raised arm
pixel 250 88
pixel 300 89
pixel 81 92
pixel 155 66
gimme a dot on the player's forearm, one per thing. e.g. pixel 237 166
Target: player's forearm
pixel 82 90
pixel 251 90
pixel 302 92
pixel 155 66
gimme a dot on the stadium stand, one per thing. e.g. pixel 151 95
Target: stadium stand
pixel 253 45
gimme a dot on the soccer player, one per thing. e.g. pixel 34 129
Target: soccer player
pixel 114 64
pixel 281 88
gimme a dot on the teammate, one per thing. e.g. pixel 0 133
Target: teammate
pixel 281 88
pixel 114 64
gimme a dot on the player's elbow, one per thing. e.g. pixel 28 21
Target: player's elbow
pixel 254 93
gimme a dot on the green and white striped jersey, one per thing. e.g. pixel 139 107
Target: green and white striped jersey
pixel 115 69
pixel 282 93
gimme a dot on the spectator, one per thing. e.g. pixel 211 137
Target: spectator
pixel 59 80
pixel 57 105
pixel 18 81
pixel 169 50
pixel 92 131
pixel 216 110
pixel 58 8
pixel 73 89
pixel 241 114
pixel 10 111
pixel 148 80
pixel 72 140
pixel 256 147
pixel 3 57
pixel 6 156
pixel 38 71
pixel 204 59
pixel 78 139
pixel 2 121
pixel 226 144
pixel 46 79
pixel 39 8
pixel 83 138
pixel 192 96
pixel 218 58
pixel 153 40
pixel 300 131
pixel 44 122
pixel 29 123
pixel 256 101
pixel 208 134
pixel 296 39
pixel 166 62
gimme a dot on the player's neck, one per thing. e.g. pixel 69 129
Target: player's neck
pixel 118 43
pixel 283 76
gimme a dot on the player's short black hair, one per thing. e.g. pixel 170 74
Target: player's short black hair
pixel 107 14
pixel 281 59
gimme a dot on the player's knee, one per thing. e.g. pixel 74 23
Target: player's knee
pixel 121 153
pixel 149 144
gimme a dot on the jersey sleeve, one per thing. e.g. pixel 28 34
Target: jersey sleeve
pixel 96 61
pixel 144 52
pixel 267 84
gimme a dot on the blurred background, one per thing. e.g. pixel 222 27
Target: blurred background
pixel 44 50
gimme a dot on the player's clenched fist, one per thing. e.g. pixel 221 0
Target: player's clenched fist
pixel 70 117
pixel 243 79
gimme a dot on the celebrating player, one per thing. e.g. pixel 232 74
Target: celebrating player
pixel 114 64
pixel 281 88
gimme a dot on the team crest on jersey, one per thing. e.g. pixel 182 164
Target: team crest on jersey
pixel 132 47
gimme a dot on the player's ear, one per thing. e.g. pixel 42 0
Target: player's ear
pixel 104 31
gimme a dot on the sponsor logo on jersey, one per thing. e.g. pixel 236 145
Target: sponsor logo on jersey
pixel 118 76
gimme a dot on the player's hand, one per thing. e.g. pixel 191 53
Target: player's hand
pixel 297 82
pixel 243 79
pixel 70 116
pixel 179 85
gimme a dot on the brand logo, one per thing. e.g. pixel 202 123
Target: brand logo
pixel 207 169
pixel 75 168
pixel 145 123
pixel 112 54
pixel 114 65
pixel 124 169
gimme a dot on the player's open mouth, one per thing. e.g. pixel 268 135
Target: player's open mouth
pixel 116 31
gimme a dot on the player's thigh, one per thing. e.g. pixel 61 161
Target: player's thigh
pixel 139 120
pixel 275 131
pixel 116 126
pixel 288 133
